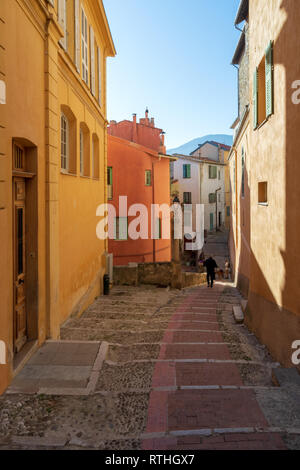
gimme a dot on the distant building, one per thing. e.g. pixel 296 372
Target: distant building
pixel 138 168
pixel 200 179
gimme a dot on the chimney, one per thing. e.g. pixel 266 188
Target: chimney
pixel 147 117
pixel 162 143
pixel 134 129
pixel 152 122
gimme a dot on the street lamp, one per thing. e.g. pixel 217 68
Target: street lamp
pixel 219 189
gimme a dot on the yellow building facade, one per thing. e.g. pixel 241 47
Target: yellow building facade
pixel 53 159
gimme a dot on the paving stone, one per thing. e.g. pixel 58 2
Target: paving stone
pixel 196 351
pixel 207 374
pixel 198 409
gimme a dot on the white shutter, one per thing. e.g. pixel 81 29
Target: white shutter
pixel 123 228
pixel 62 18
pixel 77 35
pixel 92 52
pixel 99 75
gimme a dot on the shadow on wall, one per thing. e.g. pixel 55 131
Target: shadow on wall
pixel 277 327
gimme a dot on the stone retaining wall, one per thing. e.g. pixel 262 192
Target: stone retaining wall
pixel 158 274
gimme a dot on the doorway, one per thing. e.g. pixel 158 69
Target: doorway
pixel 20 317
pixel 25 273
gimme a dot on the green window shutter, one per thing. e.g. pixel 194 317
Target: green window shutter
pixel 148 177
pixel 188 171
pixel 269 80
pixel 184 171
pixel 255 99
pixel 121 228
pixel 109 175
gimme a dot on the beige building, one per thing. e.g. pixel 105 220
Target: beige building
pixel 265 169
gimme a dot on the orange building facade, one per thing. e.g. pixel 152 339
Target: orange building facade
pixel 139 169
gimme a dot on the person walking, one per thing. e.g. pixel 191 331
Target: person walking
pixel 210 265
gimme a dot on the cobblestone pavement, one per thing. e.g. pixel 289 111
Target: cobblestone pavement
pixel 178 374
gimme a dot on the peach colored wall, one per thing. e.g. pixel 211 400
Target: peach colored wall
pixel 274 300
pixel 129 162
pixel 141 133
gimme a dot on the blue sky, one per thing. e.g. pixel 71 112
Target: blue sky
pixel 174 57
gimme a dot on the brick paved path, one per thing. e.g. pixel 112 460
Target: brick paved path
pixel 198 400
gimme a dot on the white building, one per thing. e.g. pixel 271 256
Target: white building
pixel 200 179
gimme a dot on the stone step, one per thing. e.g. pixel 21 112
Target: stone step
pixel 238 314
pixel 244 303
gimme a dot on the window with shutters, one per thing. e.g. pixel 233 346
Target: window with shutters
pixel 212 172
pixel 92 54
pixel 263 99
pixel 212 198
pixel 99 74
pixel 84 47
pixel 62 19
pixel 77 34
pixel 121 228
pixel 95 157
pixel 172 170
pixel 64 142
pixel 187 171
pixel 187 198
pixel 84 150
pixel 109 183
pixel 68 140
pixel 148 178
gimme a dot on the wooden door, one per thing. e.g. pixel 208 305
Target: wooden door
pixel 20 319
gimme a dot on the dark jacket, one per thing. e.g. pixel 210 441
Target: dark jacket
pixel 210 265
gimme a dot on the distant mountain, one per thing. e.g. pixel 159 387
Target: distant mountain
pixel 187 148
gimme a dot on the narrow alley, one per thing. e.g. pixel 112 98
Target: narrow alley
pixel 152 368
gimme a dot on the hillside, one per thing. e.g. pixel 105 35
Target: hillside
pixel 187 148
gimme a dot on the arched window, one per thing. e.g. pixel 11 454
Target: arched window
pixel 84 150
pixel 81 152
pixel 64 137
pixel 95 156
pixel 68 137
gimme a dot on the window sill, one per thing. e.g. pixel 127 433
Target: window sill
pixel 263 204
pixel 67 173
pixel 85 177
pixel 263 123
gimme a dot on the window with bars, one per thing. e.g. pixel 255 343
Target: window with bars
pixel 148 179
pixel 186 171
pixel 84 47
pixel 64 130
pixel 212 172
pixel 19 163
